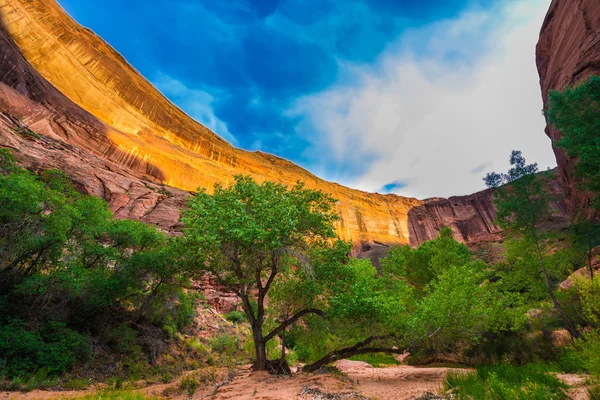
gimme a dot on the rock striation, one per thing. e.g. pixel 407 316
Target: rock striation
pixel 69 101
pixel 115 115
pixel 567 53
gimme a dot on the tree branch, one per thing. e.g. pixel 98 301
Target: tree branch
pixel 345 353
pixel 293 319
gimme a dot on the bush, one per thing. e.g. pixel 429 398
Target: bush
pixel 235 316
pixel 189 385
pixel 225 344
pixel 54 349
pixel 507 382
pixel 588 352
pixel 70 273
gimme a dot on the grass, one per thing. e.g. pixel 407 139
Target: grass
pixel 594 392
pixel 189 384
pixel 376 359
pixel 117 395
pixel 38 380
pixel 507 382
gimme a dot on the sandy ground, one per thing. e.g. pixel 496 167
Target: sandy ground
pixel 392 383
pixel 577 384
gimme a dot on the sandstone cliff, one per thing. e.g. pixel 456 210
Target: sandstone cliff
pixel 118 138
pixel 568 52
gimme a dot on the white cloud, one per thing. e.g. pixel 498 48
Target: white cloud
pixel 196 103
pixel 441 107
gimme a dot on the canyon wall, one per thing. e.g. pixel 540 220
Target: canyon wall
pixel 141 134
pixel 567 53
pixel 69 101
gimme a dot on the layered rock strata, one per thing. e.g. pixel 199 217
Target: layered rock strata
pixel 70 101
pixel 567 53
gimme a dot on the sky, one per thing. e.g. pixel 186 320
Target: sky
pixel 420 98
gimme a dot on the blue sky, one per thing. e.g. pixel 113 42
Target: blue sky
pixel 342 87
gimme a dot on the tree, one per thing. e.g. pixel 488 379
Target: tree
pixel 576 112
pixel 522 206
pixel 367 312
pixel 423 264
pixel 249 234
pixel 70 270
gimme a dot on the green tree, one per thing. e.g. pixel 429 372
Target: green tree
pixel 523 205
pixel 249 234
pixel 367 312
pixel 423 264
pixel 576 112
pixel 69 269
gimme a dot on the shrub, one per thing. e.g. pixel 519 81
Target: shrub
pixel 235 316
pixel 54 349
pixel 225 344
pixel 588 352
pixel 507 382
pixel 189 385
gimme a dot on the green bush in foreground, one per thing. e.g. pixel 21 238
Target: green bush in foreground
pixel 507 382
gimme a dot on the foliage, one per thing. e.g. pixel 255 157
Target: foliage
pixel 250 235
pixel 523 205
pixel 70 272
pixel 576 112
pixel 589 292
pixel 118 395
pixel 507 382
pixel 55 349
pixel 461 307
pixel 587 350
pixel 189 385
pixel 387 312
pixel 424 263
pixel 235 316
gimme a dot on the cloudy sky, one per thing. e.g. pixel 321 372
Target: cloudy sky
pixel 415 97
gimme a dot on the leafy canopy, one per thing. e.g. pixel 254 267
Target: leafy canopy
pixel 576 112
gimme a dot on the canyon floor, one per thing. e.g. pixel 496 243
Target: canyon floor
pixel 357 381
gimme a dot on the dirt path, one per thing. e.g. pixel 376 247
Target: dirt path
pixel 358 381
pixel 394 383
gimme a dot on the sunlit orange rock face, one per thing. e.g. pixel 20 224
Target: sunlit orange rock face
pixel 118 138
pixel 567 53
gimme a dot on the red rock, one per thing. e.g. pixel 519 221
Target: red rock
pixel 118 138
pixel 567 53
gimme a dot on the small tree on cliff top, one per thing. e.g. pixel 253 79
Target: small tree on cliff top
pixel 249 234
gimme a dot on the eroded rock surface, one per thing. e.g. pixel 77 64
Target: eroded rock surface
pixel 118 138
pixel 567 53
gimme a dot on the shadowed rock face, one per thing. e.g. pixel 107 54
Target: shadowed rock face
pixel 118 138
pixel 567 53
pixel 472 217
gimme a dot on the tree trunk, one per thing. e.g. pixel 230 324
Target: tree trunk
pixel 260 349
pixel 334 356
pixel 569 324
pixel 358 348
